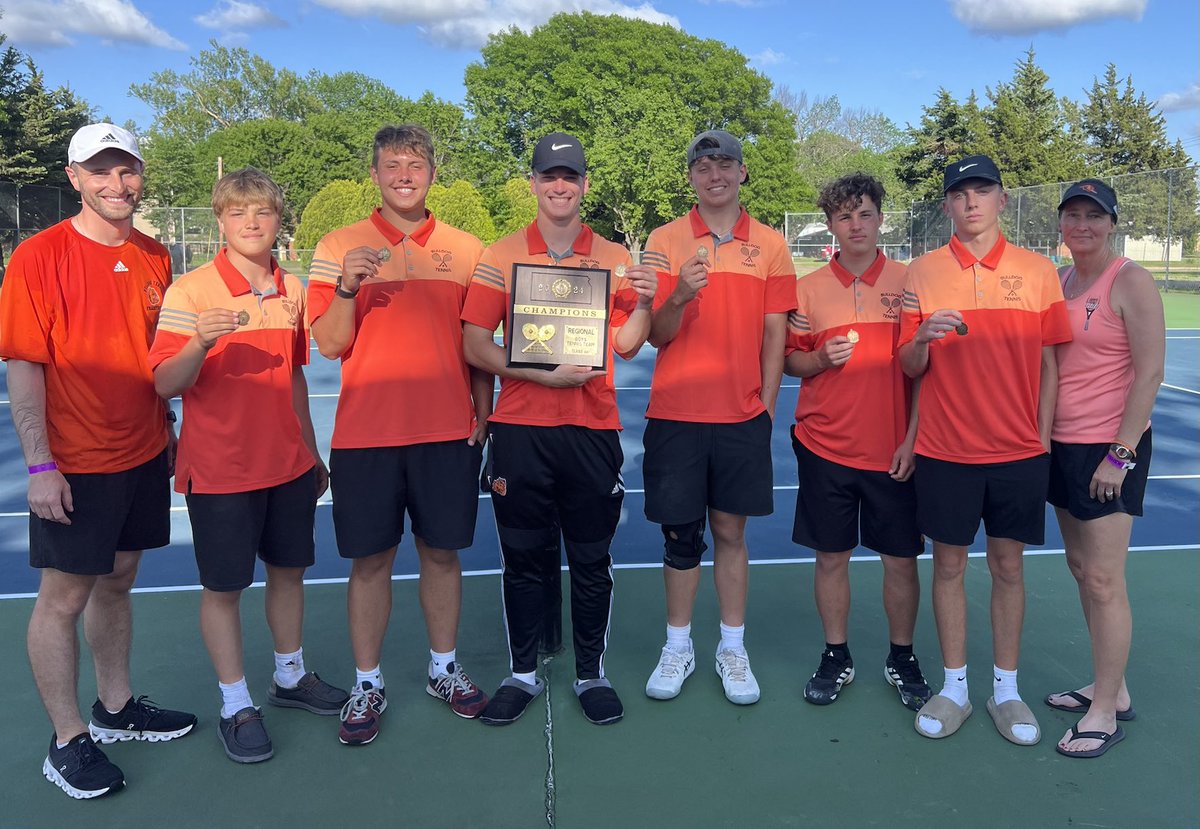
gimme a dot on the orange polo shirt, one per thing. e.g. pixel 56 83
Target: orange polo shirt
pixel 594 404
pixel 87 312
pixel 711 371
pixel 404 377
pixel 979 395
pixel 855 414
pixel 240 430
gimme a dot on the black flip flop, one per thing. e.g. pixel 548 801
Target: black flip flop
pixel 1108 741
pixel 1085 703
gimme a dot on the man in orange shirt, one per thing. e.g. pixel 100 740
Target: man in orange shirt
pixel 855 428
pixel 232 340
pixel 555 454
pixel 384 296
pixel 980 322
pixel 77 314
pixel 719 326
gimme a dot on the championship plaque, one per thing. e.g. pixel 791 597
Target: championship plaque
pixel 559 316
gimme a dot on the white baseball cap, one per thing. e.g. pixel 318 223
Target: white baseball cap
pixel 94 138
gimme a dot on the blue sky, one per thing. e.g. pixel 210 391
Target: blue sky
pixel 889 55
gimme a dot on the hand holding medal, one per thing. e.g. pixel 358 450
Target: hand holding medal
pixel 643 279
pixel 214 323
pixel 693 275
pixel 940 323
pixel 362 264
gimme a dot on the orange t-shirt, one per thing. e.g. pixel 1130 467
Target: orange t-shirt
pixel 404 377
pixel 87 312
pixel 711 371
pixel 979 395
pixel 855 414
pixel 594 404
pixel 240 431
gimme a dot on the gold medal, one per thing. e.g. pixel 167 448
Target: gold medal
pixel 852 336
pixel 961 329
pixel 702 252
pixel 384 254
pixel 243 317
pixel 620 271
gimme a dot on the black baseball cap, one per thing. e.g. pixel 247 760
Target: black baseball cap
pixel 973 166
pixel 1094 189
pixel 559 150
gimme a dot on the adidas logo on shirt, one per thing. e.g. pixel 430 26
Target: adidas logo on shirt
pixel 120 267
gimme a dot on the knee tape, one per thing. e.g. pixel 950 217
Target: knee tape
pixel 684 545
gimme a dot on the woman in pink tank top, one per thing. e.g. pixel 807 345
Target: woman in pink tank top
pixel 1109 375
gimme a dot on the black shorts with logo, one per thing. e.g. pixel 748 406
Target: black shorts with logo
pixel 114 511
pixel 691 467
pixel 1009 497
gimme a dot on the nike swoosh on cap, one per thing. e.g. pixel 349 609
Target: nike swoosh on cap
pixel 968 166
pixel 557 147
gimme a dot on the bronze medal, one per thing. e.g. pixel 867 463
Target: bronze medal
pixel 243 317
pixel 961 329
pixel 384 254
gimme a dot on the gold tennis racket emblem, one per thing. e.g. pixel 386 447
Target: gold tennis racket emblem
pixel 538 337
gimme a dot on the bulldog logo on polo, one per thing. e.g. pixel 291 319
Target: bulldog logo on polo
pixel 891 304
pixel 750 252
pixel 441 259
pixel 293 312
pixel 1012 284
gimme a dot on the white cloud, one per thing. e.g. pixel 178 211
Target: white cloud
pixel 1175 101
pixel 236 16
pixel 1019 17
pixel 467 23
pixel 768 57
pixel 63 22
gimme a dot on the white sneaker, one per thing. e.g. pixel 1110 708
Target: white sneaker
pixel 741 688
pixel 673 668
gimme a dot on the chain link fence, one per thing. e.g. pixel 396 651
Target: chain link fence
pixel 28 208
pixel 812 244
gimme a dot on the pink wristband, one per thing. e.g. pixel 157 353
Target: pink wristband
pixel 42 467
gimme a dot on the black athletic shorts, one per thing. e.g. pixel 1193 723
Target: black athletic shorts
pixel 435 483
pixel 1009 497
pixel 126 511
pixel 546 479
pixel 691 467
pixel 833 498
pixel 1072 466
pixel 231 529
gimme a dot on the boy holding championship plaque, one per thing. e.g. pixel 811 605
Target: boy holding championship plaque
pixel 231 339
pixel 719 327
pixel 855 428
pixel 555 455
pixel 979 325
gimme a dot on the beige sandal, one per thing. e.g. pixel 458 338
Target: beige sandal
pixel 1014 712
pixel 944 710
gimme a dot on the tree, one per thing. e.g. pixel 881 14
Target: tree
pixel 585 74
pixel 36 123
pixel 1029 129
pixel 515 207
pixel 462 206
pixel 1124 132
pixel 948 130
pixel 337 204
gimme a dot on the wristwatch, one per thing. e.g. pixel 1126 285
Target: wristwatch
pixel 1123 454
pixel 342 292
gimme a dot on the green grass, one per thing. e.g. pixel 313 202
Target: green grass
pixel 1182 309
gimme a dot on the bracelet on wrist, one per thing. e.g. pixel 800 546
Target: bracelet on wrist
pixel 1128 448
pixel 42 467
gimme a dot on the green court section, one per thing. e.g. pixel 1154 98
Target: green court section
pixel 1181 309
pixel 696 761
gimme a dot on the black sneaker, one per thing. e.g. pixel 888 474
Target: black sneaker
pixel 311 693
pixel 244 736
pixel 827 682
pixel 905 674
pixel 140 719
pixel 81 770
pixel 510 701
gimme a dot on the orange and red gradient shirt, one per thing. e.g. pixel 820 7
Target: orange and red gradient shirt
pixel 592 405
pixel 711 371
pixel 240 430
pixel 87 313
pixel 404 377
pixel 979 395
pixel 855 414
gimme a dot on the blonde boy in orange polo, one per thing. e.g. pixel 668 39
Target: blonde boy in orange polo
pixel 980 322
pixel 231 339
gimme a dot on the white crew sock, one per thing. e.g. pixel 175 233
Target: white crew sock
pixel 1004 689
pixel 439 663
pixel 234 697
pixel 955 690
pixel 372 676
pixel 679 639
pixel 732 638
pixel 289 667
pixel 529 678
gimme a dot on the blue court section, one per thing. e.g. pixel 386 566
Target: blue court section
pixel 1172 498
